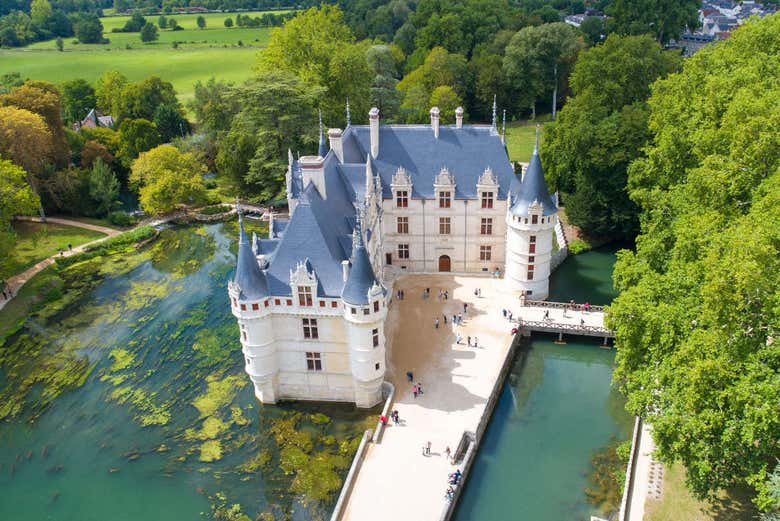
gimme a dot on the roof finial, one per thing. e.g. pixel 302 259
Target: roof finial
pixel 503 128
pixel 493 125
pixel 348 111
pixel 536 142
pixel 321 151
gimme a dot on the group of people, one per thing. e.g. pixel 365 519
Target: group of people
pixel 399 295
pixel 453 479
pixel 458 338
pixel 393 415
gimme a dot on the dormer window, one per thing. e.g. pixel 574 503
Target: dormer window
pixel 445 199
pixel 304 296
pixel 487 199
pixel 402 199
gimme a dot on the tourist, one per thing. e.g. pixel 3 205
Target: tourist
pixel 396 417
pixel 510 316
pixel 2 288
pixel 582 321
pixel 436 323
pixel 503 312
pixel 448 452
pixel 455 319
pixel 514 330
pixel 479 292
pixel 587 307
pixel 410 376
pixel 428 449
pixel 469 338
pixel 476 342
pixel 476 291
pixel 446 295
pixel 398 295
pixel 547 314
pixel 419 388
pixel 383 419
pixel 465 307
pixel 457 338
pixel 445 318
pixel 70 247
pixel 414 391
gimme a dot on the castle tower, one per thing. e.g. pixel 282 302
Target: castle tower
pixel 365 310
pixel 249 302
pixel 531 218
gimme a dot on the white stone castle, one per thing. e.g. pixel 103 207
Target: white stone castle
pixel 311 300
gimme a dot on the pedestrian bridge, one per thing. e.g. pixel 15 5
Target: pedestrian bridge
pixel 561 318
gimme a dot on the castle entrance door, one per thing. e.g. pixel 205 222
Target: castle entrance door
pixel 444 263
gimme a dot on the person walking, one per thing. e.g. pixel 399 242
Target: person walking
pixel 445 318
pixel 457 338
pixel 448 452
pixel 414 391
pixel 410 376
pixel 419 388
pixel 428 449
pixel 469 341
pixel 503 312
pixel 2 288
pixel 460 318
pixel 436 323
pixel 465 307
pixel 476 342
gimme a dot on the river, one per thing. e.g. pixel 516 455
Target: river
pixel 557 408
pixel 125 399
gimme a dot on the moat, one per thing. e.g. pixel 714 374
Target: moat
pixel 146 412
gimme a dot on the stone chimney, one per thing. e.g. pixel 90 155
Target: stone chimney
pixel 345 270
pixel 334 137
pixel 435 121
pixel 373 121
pixel 313 170
pixel 459 117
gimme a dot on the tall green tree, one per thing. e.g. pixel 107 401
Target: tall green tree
pixel 167 178
pixel 318 47
pixel 664 19
pixel 440 68
pixel 538 61
pixel 136 136
pixel 602 129
pixel 108 92
pixel 170 122
pixel 201 22
pixel 18 199
pixel 139 100
pixel 103 187
pixel 383 62
pixel 149 32
pixel 88 28
pixel 78 98
pixel 277 114
pixel 698 317
pixel 213 106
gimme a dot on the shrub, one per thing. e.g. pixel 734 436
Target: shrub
pixel 579 246
pixel 119 244
pixel 120 219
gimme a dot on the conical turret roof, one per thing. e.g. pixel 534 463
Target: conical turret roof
pixel 249 278
pixel 533 188
pixel 361 276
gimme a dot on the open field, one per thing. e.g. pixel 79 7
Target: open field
pixel 201 53
pixel 39 241
pixel 181 67
pixel 520 137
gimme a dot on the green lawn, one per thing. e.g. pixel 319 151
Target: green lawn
pixel 188 21
pixel 677 504
pixel 36 242
pixel 181 67
pixel 520 136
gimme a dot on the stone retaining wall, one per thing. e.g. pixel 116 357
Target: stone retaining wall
pixel 349 482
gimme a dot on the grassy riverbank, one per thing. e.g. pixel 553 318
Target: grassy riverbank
pixel 36 241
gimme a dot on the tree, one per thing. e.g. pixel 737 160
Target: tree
pixel 664 19
pixel 25 139
pixel 43 98
pixel 139 100
pixel 173 25
pixel 698 315
pixel 169 122
pixel 9 81
pixel 538 61
pixel 60 44
pixel 108 91
pixel 201 22
pixel 213 106
pixel 447 100
pixel 78 98
pixel 92 151
pixel 439 68
pixel 317 46
pixel 136 136
pixel 592 28
pixel 277 113
pixel 103 187
pixel 149 33
pixel 40 12
pixel 88 28
pixel 382 60
pixel 167 178
pixel 18 199
pixel 228 22
pixel 602 129
pixel 134 24
pixel 162 22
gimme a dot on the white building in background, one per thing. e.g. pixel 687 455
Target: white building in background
pixel 311 299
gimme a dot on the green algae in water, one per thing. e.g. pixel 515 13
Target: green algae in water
pixel 156 342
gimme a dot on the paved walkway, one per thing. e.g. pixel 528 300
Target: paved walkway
pixel 641 484
pixel 15 283
pixel 396 481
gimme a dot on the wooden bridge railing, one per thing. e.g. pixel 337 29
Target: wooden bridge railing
pixel 560 305
pixel 557 327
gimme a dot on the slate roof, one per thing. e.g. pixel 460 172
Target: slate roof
pixel 466 152
pixel 361 275
pixel 532 188
pixel 249 277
